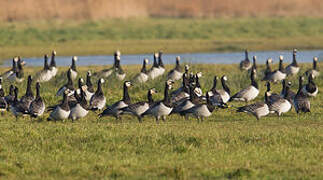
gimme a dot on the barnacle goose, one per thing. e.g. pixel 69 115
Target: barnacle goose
pixel 73 68
pixel 18 75
pixel 11 96
pixel 28 97
pixel 69 85
pixel 81 108
pixel 37 106
pixel 90 89
pixel 268 71
pixel 286 92
pixel 142 77
pixel 12 70
pixel 16 107
pixel 98 100
pixel 45 74
pixel 120 74
pixel 258 109
pixel 62 110
pixel 245 64
pixel 301 102
pixel 314 71
pixel 293 68
pixel 161 66
pixel 52 67
pixel 154 71
pixel 176 73
pixel 280 74
pixel 310 89
pixel 276 103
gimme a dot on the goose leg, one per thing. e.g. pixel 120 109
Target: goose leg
pixel 164 118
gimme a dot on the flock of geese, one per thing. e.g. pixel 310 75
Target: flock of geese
pixel 184 101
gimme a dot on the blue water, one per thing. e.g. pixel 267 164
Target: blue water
pixel 194 58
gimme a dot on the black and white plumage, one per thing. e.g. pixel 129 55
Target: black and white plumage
pixel 188 103
pixel 90 89
pixel 301 102
pixel 137 109
pixel 215 96
pixel 114 109
pixel 185 82
pixel 310 89
pixel 26 100
pixel 37 106
pixel 286 92
pixel 161 66
pixel 254 65
pixel 68 86
pixel 3 102
pixel 45 74
pixel 279 74
pixel 293 68
pixel 120 74
pixel 17 108
pixel 81 108
pixel 11 96
pixel 62 110
pixel 176 73
pixel 142 77
pixel 107 72
pixel 18 75
pixel 12 70
pixel 268 71
pixel 245 64
pixel 258 109
pixel 249 93
pixel 162 108
pixel 73 68
pixel 154 72
pixel 52 67
pixel 200 111
pixel 98 100
pixel 198 85
pixel 314 71
pixel 223 93
pixel 276 103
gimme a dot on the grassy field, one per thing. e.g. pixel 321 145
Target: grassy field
pixel 226 145
pixel 131 36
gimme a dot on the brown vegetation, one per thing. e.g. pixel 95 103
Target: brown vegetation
pixel 11 10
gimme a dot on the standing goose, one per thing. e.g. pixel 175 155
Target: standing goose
pixel 249 93
pixel 61 111
pixel 215 96
pixel 225 92
pixel 245 64
pixel 114 109
pixel 276 103
pixel 90 90
pixel 185 82
pixel 120 74
pixel 28 97
pixel 293 68
pixel 200 111
pixel 279 74
pixel 162 108
pixel 160 63
pixel 154 71
pixel 314 71
pixel 176 73
pixel 12 70
pixel 301 102
pixel 310 89
pixel 258 109
pixel 188 103
pixel 137 109
pixel 73 68
pixel 68 86
pixel 16 108
pixel 81 108
pixel 107 72
pixel 198 85
pixel 289 94
pixel 98 100
pixel 254 65
pixel 37 106
pixel 268 71
pixel 11 96
pixel 45 74
pixel 3 102
pixel 142 77
pixel 53 69
pixel 18 75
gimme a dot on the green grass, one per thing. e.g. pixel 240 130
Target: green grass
pixel 226 145
pixel 147 35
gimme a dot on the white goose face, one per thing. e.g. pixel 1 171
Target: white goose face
pixel 178 58
pixel 118 53
pixel 281 57
pixel 315 59
pixel 187 67
pixel 128 83
pixel 199 74
pixel 54 52
pixel 101 80
pixel 225 78
pixel 15 59
pixel 295 51
pixel 146 60
pixel 153 91
pixel 289 83
pixel 156 55
pixel 82 80
pixel 270 60
pixel 118 58
pixel 74 58
pixel 89 73
pixel 84 88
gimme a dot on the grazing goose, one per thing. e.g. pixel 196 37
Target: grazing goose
pixel 69 85
pixel 249 93
pixel 37 106
pixel 142 77
pixel 16 107
pixel 81 108
pixel 3 102
pixel 314 71
pixel 268 71
pixel 73 68
pixel 114 109
pixel 120 74
pixel 245 64
pixel 137 109
pixel 162 108
pixel 258 109
pixel 52 67
pixel 12 70
pixel 188 103
pixel 293 68
pixel 18 75
pixel 301 102
pixel 160 63
pixel 61 111
pixel 154 71
pixel 279 74
pixel 176 73
pixel 90 89
pixel 200 111
pixel 11 96
pixel 28 97
pixel 310 89
pixel 98 100
pixel 45 74
pixel 276 103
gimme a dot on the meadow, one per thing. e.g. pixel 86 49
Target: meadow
pixel 226 145
pixel 145 35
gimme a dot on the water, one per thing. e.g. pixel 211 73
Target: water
pixel 194 58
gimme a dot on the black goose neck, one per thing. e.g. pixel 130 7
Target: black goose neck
pixel 29 92
pixel 314 65
pixel 281 67
pixel 46 67
pixel 150 97
pixel 300 85
pixel 126 97
pixel 294 59
pixel 166 97
pixel 178 66
pixel 73 66
pixel 88 81
pixel 160 61
pixel 155 62
pixel 37 91
pixel 144 67
pixel 284 87
pixel 253 81
pixel 53 62
pixel 64 104
pixel 246 55
pixel 16 91
pixel 225 86
pixel 99 89
pixel 214 84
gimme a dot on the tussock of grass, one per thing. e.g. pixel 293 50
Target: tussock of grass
pixel 226 145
